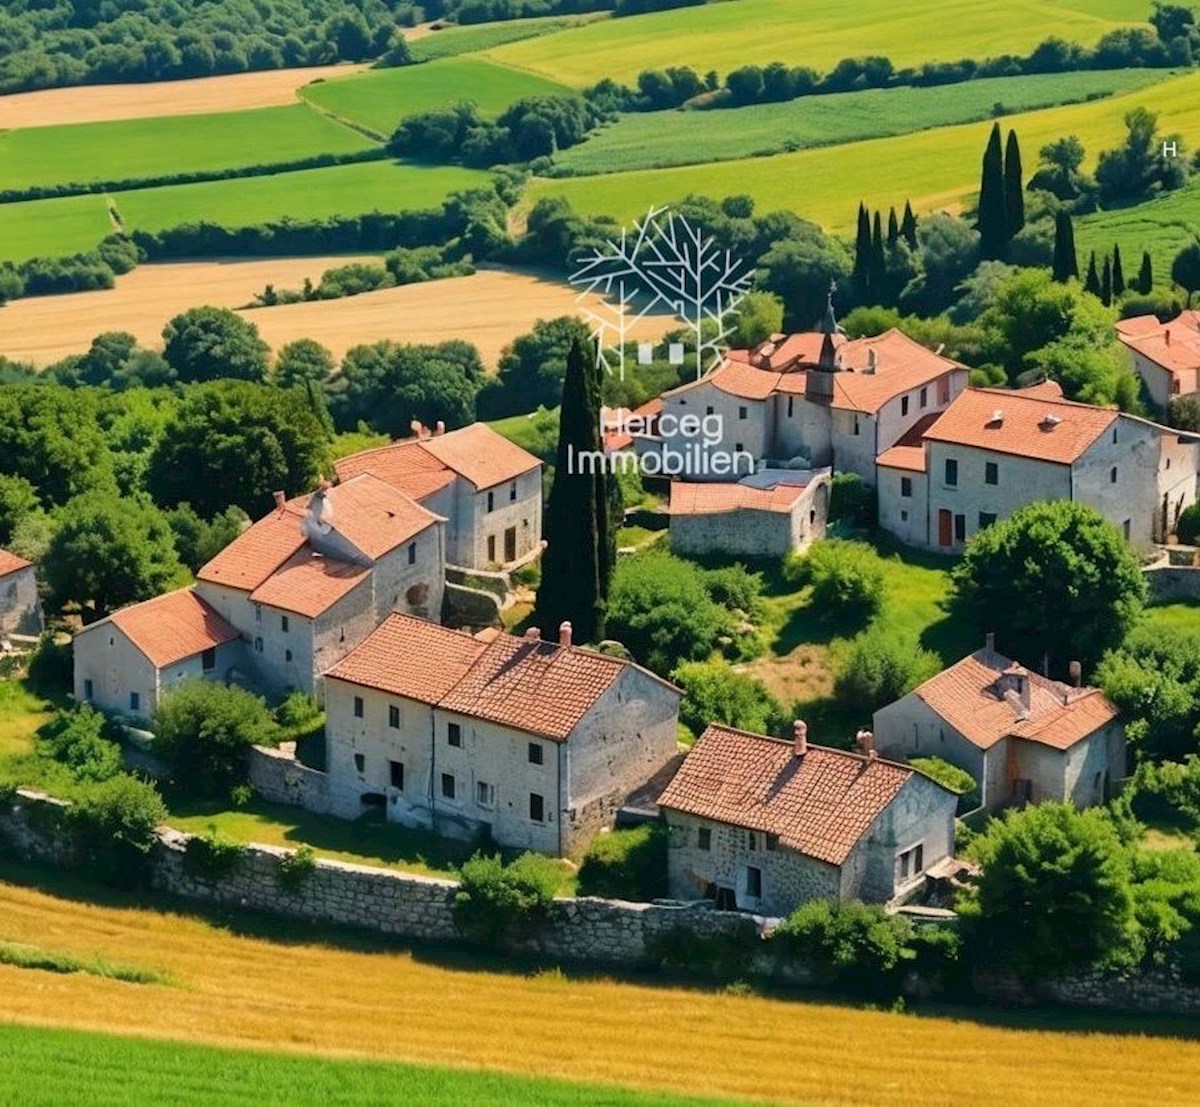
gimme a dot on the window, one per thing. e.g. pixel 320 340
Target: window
pixel 906 486
pixel 924 397
pixel 739 448
pixel 535 753
pixel 358 707
pixel 491 548
pixel 710 410
pixel 412 553
pixel 258 613
pixel 87 689
pixel 448 785
pixel 791 405
pixel 1127 529
pixel 903 405
pixel 856 431
pixel 454 734
pixel 208 660
pixel 393 716
pixel 772 842
pixel 752 841
pixel 991 473
pixel 904 516
pixel 1112 475
pixel 911 863
pixel 258 647
pixel 1114 434
pixel 960 528
pixel 491 501
pixel 704 838
pixel 287 655
pixel 396 772
pixel 753 882
pixel 360 762
pixel 283 623
pixel 952 472
pixel 537 808
pixel 135 701
pixel 986 519
pixel 743 412
pixel 485 794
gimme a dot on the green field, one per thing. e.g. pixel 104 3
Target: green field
pixel 451 41
pixel 380 98
pixel 104 1070
pixel 169 144
pixel 1162 226
pixel 52 228
pixel 648 140
pixel 935 169
pixel 308 194
pixel 817 33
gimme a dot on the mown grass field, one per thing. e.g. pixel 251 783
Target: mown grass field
pixel 307 194
pixel 1163 226
pixel 817 33
pixel 646 140
pixel 126 1071
pixel 282 987
pixel 379 98
pixel 936 169
pixel 51 228
pixel 141 148
pixel 452 41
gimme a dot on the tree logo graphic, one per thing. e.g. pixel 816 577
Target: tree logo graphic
pixel 663 264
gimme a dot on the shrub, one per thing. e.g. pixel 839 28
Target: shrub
pixel 80 740
pixel 626 864
pixel 714 693
pixel 52 666
pixel 113 827
pixel 212 856
pixel 851 501
pixel 294 869
pixel 297 711
pixel 948 776
pixel 879 667
pixel 496 901
pixel 1187 529
pixel 846 578
pixel 735 587
pixel 724 956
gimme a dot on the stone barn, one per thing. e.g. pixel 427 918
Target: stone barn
pixel 20 608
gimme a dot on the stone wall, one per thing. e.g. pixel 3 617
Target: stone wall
pixel 279 778
pixel 1173 583
pixel 473 607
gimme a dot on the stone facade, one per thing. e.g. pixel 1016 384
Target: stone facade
pixel 278 777
pixel 20 606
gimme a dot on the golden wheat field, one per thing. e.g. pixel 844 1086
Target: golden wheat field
pixel 195 96
pixel 392 1004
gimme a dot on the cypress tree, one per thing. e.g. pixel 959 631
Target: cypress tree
pixel 1118 273
pixel 893 227
pixel 610 505
pixel 570 587
pixel 1091 282
pixel 1106 282
pixel 1014 189
pixel 1146 274
pixel 862 254
pixel 878 277
pixel 908 225
pixel 993 210
pixel 1066 264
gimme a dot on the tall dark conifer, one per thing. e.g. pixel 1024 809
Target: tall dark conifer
pixel 1146 274
pixel 1118 280
pixel 908 225
pixel 1106 282
pixel 1066 263
pixel 893 227
pixel 862 255
pixel 610 505
pixel 993 209
pixel 1091 283
pixel 878 277
pixel 1014 187
pixel 570 588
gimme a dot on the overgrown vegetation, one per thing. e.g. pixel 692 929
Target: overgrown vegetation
pixel 497 903
pixel 626 864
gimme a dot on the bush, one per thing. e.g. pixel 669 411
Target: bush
pixel 626 864
pixel 714 693
pixel 846 578
pixel 81 740
pixel 497 902
pixel 851 501
pixel 294 869
pixel 114 829
pixel 297 711
pixel 52 666
pixel 736 588
pixel 212 856
pixel 1187 529
pixel 948 776
pixel 879 667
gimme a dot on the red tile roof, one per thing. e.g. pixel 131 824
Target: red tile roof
pixel 978 697
pixel 693 498
pixel 10 563
pixel 911 458
pixel 171 627
pixel 1174 345
pixel 376 517
pixel 820 804
pixel 309 584
pixel 257 552
pixel 1059 431
pixel 404 465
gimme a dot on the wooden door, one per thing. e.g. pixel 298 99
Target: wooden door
pixel 945 528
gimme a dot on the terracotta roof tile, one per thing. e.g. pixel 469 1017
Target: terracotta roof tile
pixel 1174 345
pixel 404 465
pixel 1029 426
pixel 911 458
pixel 820 804
pixel 978 699
pixel 411 658
pixel 171 627
pixel 10 563
pixel 309 584
pixel 257 552
pixel 693 498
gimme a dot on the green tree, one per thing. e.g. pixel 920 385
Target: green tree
pixel 1066 263
pixel 949 252
pixel 197 540
pixel 108 552
pixel 908 226
pixel 1091 282
pixel 1106 282
pixel 1139 167
pixel 207 343
pixel 496 902
pixel 532 368
pixel 18 498
pixel 862 255
pixel 301 361
pixel 1055 895
pixel 715 693
pixel 1118 273
pixel 1145 280
pixel 1080 584
pixel 1014 186
pixel 234 443
pixel 877 278
pixel 846 578
pixel 879 667
pixel 1059 171
pixel 893 227
pixel 993 206
pixel 799 270
pixel 760 315
pixel 115 827
pixel 1185 270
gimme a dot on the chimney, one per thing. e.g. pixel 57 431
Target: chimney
pixel 872 360
pixel 280 500
pixel 1025 691
pixel 1167 336
pixel 1076 671
pixel 440 428
pixel 533 634
pixel 415 428
pixel 800 737
pixel 866 743
pixel 564 633
pixel 989 641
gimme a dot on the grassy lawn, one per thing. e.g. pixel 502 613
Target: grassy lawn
pixel 380 98
pixel 1174 616
pixel 169 144
pixel 52 228
pixel 646 140
pixel 818 33
pixel 935 169
pixel 451 41
pixel 33 1062
pixel 308 194
pixel 536 432
pixel 22 712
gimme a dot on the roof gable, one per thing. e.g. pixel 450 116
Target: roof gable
pixel 11 563
pixel 171 627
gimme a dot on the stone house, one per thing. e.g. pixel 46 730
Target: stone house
pixel 124 663
pixel 767 825
pixel 536 742
pixel 806 401
pixel 1023 737
pixel 995 450
pixel 772 513
pixel 487 488
pixel 20 606
pixel 1165 355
